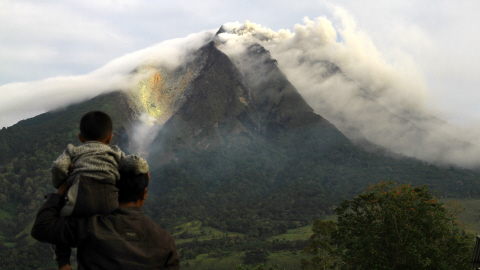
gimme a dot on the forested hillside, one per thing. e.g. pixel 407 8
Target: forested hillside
pixel 263 189
pixel 27 151
pixel 258 189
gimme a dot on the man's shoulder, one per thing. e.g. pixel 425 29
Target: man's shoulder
pixel 130 215
pixel 150 224
pixel 124 221
pixel 128 235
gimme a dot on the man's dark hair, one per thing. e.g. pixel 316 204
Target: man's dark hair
pixel 95 126
pixel 130 186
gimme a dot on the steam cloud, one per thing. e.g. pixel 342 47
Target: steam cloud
pixel 143 134
pixel 366 98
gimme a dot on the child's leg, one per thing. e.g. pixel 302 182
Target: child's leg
pixel 88 196
pixel 72 194
pixel 62 253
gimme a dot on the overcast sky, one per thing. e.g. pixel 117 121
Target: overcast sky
pixel 46 39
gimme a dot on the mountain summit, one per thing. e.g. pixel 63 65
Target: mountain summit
pixel 221 105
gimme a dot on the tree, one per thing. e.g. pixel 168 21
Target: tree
pixel 255 256
pixel 259 267
pixel 393 226
pixel 322 247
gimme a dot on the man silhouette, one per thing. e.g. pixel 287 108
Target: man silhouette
pixel 124 239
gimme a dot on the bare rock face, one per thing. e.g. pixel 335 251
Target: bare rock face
pixel 210 106
pixel 213 102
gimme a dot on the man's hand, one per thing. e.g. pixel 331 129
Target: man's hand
pixel 66 267
pixel 62 189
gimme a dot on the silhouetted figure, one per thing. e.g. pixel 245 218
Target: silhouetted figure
pixel 124 239
pixel 94 173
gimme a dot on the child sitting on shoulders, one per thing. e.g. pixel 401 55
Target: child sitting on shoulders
pixel 94 174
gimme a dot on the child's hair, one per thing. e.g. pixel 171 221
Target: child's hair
pixel 95 126
pixel 130 186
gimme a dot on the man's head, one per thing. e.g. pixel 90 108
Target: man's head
pixel 132 187
pixel 96 126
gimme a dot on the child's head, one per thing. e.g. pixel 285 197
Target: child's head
pixel 96 126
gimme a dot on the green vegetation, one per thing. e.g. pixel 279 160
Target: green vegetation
pixel 302 233
pixel 391 226
pixel 36 256
pixel 470 216
pixel 5 215
pixel 27 150
pixel 194 231
pixel 5 218
pixel 323 249
pixel 264 188
pixel 205 262
pixel 249 192
pixel 286 254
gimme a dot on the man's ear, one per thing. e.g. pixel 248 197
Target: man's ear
pixel 80 137
pixel 144 195
pixel 109 139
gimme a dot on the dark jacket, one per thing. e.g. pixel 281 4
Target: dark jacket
pixel 124 239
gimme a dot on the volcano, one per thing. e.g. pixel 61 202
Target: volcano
pixel 230 142
pixel 231 133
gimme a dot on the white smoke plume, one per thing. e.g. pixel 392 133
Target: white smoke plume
pixel 24 100
pixel 386 104
pixel 143 134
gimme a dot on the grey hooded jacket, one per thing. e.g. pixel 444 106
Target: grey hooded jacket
pixel 92 181
pixel 97 160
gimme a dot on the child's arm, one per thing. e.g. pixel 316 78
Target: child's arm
pixel 135 164
pixel 60 168
pixel 131 163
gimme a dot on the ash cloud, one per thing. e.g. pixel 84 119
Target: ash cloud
pixel 344 78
